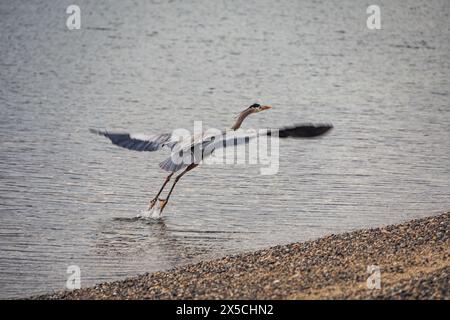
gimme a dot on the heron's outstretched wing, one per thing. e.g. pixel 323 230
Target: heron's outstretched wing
pixel 234 138
pixel 206 145
pixel 137 142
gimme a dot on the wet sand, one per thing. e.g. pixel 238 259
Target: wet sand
pixel 413 258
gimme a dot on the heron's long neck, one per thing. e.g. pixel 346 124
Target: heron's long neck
pixel 240 119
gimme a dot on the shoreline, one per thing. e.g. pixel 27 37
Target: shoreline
pixel 413 258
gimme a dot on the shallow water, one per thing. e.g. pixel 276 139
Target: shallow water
pixel 70 198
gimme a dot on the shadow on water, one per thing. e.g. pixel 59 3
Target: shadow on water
pixel 121 219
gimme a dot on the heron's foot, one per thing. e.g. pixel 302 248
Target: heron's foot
pixel 151 204
pixel 162 203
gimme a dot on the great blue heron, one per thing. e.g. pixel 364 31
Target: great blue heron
pixel 207 143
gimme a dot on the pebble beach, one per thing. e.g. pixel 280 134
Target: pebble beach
pixel 412 257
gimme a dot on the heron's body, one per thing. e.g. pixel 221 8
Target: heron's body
pixel 188 152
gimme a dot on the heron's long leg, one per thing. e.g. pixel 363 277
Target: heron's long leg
pixel 178 177
pixel 153 201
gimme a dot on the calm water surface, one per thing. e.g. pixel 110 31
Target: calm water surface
pixel 70 198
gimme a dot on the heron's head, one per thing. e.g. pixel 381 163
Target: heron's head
pixel 255 108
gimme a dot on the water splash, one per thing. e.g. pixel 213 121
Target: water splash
pixel 153 213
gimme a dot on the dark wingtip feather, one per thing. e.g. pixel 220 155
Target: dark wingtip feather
pixel 305 131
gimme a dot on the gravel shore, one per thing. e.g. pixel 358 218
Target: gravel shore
pixel 413 258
